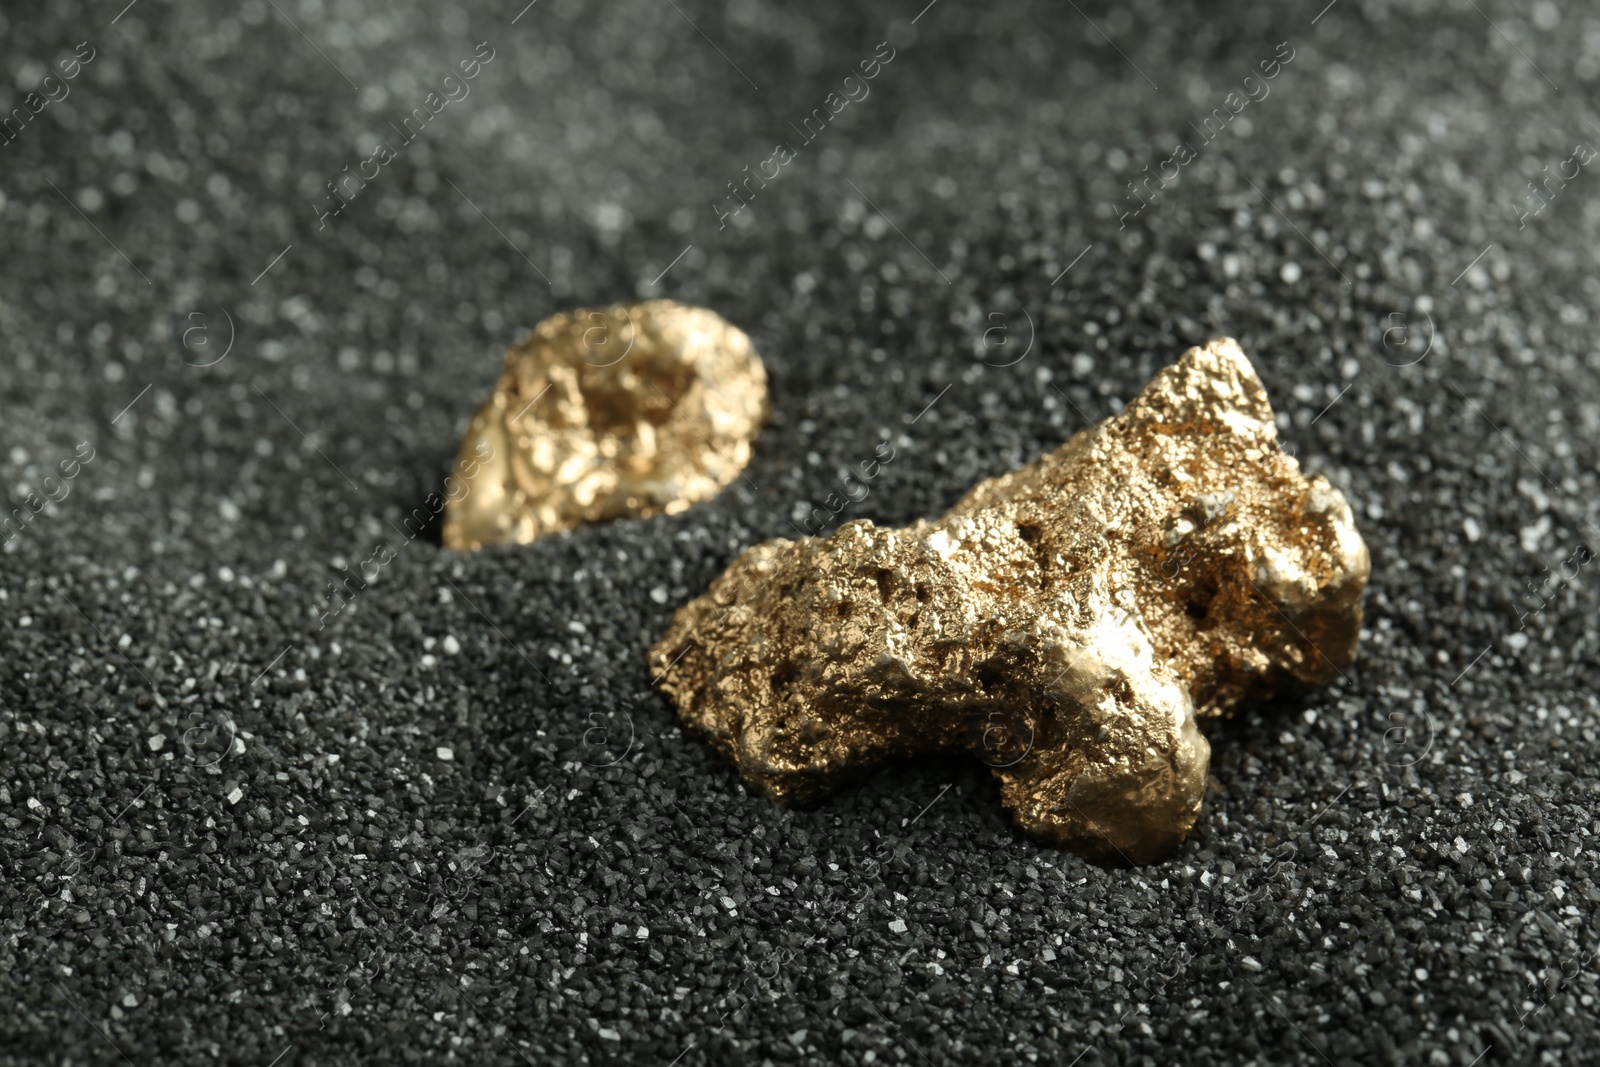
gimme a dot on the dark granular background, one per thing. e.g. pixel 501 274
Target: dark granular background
pixel 451 821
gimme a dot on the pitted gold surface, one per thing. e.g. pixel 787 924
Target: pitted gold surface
pixel 632 410
pixel 1068 623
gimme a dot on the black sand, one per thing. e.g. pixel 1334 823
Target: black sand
pixel 452 823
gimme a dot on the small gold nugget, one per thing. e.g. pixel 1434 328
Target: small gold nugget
pixel 1067 622
pixel 632 410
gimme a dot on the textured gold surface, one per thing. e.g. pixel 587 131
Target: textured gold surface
pixel 1067 623
pixel 637 409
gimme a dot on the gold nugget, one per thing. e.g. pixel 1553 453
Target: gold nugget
pixel 632 410
pixel 1067 623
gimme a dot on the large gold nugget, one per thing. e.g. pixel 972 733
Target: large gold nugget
pixel 638 409
pixel 1066 622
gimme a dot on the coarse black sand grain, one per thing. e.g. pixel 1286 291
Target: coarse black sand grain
pixel 450 821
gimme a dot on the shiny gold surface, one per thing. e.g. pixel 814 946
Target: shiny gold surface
pixel 1067 623
pixel 632 410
